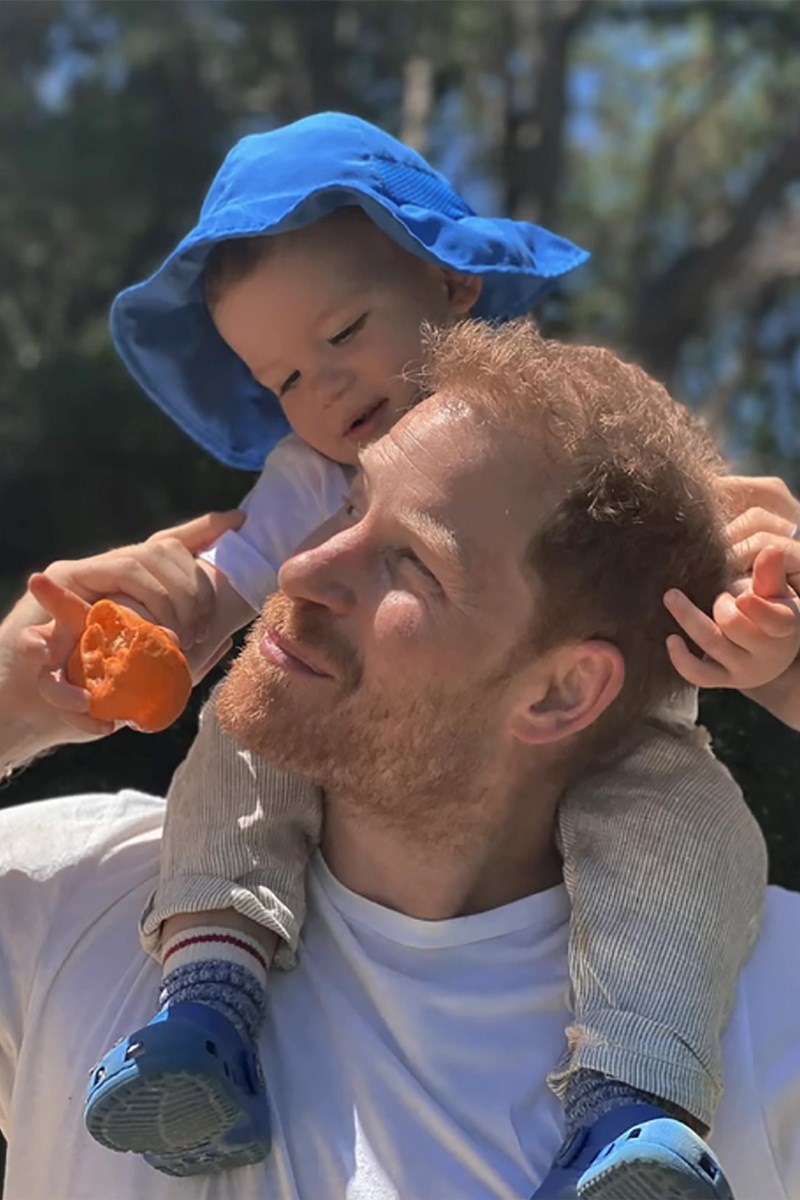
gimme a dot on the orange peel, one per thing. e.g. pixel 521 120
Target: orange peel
pixel 132 669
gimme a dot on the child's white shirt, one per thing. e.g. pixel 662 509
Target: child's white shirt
pixel 296 491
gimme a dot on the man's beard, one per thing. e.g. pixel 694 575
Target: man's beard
pixel 417 761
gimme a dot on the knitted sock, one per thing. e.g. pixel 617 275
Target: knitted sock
pixel 220 967
pixel 590 1095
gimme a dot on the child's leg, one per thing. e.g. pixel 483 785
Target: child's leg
pixel 666 870
pixel 231 896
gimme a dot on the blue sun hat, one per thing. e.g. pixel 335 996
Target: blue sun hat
pixel 271 183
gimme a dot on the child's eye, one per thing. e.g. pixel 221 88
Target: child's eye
pixel 344 335
pixel 288 383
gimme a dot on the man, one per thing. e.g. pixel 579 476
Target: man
pixel 458 684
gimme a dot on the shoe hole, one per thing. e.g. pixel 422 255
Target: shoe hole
pixel 212 1048
pixel 134 1050
pixel 634 1133
pixel 99 1076
pixel 707 1164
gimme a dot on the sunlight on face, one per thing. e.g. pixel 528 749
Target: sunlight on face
pixel 410 607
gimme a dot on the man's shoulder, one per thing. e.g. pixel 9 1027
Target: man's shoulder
pixel 770 982
pixel 769 1023
pixel 108 841
pixel 65 866
pixel 776 954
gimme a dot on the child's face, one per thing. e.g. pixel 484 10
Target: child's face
pixel 331 319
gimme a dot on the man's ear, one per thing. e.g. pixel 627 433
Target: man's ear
pixel 462 291
pixel 567 691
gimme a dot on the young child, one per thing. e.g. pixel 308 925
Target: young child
pixel 321 249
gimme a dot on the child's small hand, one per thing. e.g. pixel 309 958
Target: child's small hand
pixel 754 635
pixel 51 645
pixel 160 579
pixel 49 620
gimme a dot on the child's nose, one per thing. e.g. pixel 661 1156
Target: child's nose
pixel 332 384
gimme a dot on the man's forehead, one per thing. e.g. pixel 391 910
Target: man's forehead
pixel 442 463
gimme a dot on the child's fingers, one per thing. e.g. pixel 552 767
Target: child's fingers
pixel 769 573
pixel 67 609
pixel 58 692
pixel 123 574
pixel 775 619
pixel 33 644
pixel 758 520
pixel 703 631
pixel 187 584
pixel 697 671
pixel 202 532
pixel 765 492
pixel 736 626
pixel 73 704
pixel 744 554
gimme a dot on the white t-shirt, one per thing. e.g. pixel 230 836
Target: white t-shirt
pixel 405 1059
pixel 297 490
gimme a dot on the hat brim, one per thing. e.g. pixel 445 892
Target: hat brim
pixel 163 330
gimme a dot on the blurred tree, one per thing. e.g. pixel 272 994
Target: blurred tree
pixel 663 134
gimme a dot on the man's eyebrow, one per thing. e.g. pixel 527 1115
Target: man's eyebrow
pixel 438 537
pixel 433 533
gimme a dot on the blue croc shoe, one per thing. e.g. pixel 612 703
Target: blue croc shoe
pixel 635 1152
pixel 186 1090
pixel 660 1159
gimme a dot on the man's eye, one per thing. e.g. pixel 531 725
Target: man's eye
pixel 344 335
pixel 415 561
pixel 288 383
pixel 349 509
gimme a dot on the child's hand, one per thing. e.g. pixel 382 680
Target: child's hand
pixel 754 635
pixel 44 628
pixel 51 645
pixel 28 723
pixel 160 578
pixel 762 512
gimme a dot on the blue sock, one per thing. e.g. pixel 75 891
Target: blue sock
pixel 222 968
pixel 591 1094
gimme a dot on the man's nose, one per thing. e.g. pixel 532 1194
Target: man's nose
pixel 325 574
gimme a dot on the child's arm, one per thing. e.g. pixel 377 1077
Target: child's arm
pixel 666 869
pixel 237 837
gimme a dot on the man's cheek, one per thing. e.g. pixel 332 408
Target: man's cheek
pixel 400 623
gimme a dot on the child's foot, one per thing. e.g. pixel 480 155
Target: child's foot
pixel 662 1159
pixel 187 1089
pixel 635 1152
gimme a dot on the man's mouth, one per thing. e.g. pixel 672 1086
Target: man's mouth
pixel 367 422
pixel 289 656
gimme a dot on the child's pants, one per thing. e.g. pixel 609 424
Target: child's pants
pixel 664 864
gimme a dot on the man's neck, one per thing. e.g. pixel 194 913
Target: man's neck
pixel 490 859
